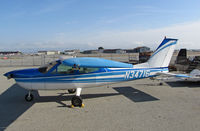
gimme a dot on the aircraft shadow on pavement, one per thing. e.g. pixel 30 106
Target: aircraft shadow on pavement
pixel 184 84
pixel 13 105
pixel 61 98
pixel 129 92
pixel 134 94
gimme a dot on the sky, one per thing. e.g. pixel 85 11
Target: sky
pixel 31 25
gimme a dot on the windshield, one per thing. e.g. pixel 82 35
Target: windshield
pixel 47 67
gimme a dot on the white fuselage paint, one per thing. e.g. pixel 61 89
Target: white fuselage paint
pixel 127 76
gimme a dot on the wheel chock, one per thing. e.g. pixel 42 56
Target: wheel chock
pixel 72 106
pixel 82 105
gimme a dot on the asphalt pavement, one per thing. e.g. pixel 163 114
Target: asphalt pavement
pixel 141 105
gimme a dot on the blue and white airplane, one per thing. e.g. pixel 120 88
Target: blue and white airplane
pixel 74 74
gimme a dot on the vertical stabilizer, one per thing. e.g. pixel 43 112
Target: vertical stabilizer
pixel 162 56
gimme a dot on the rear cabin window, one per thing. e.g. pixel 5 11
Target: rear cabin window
pixel 63 69
pixel 87 70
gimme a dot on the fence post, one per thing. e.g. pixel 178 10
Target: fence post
pixel 44 60
pixel 33 61
pixel 10 62
pixel 21 60
pixel 41 59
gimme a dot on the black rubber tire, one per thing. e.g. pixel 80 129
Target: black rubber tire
pixel 27 98
pixel 71 91
pixel 77 101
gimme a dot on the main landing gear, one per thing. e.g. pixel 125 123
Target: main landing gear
pixel 77 100
pixel 29 97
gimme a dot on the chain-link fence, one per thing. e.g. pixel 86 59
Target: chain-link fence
pixel 35 60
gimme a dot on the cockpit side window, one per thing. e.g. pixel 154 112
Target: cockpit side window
pixel 63 69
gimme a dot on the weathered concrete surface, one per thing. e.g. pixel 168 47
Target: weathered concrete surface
pixel 138 105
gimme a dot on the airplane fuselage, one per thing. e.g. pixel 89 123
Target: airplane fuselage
pixel 106 77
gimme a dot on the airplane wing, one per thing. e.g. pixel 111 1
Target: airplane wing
pixel 91 62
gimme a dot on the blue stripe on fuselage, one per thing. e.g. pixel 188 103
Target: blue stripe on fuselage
pixel 158 50
pixel 126 75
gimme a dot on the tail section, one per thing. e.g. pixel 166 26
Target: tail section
pixel 163 53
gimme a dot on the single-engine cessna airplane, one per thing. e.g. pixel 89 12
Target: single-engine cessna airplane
pixel 74 74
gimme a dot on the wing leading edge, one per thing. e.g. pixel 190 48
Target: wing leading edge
pixel 91 62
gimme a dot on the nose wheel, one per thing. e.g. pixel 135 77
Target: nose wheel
pixel 29 97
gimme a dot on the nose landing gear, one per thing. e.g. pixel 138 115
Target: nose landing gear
pixel 29 97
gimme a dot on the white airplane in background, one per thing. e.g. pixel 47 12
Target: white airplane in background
pixel 74 74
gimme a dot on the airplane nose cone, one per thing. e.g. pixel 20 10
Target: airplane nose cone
pixel 9 75
pixel 22 73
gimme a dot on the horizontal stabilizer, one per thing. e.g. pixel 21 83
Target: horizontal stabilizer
pixel 173 75
pixel 170 77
